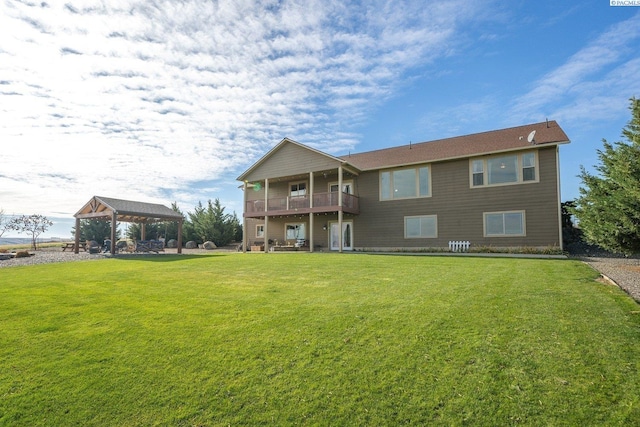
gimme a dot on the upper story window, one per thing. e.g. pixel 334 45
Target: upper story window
pixel 405 183
pixel 347 187
pixel 504 169
pixel 298 189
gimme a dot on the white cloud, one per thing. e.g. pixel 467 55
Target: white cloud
pixel 593 81
pixel 147 100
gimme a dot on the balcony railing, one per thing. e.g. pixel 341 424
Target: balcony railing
pixel 322 202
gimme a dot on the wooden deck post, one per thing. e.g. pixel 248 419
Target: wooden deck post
pixel 266 216
pixel 311 213
pixel 340 236
pixel 244 217
pixel 180 236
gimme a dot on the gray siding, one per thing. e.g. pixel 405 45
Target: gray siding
pixel 460 209
pixel 289 160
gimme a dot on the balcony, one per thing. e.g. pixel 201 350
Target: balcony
pixel 295 205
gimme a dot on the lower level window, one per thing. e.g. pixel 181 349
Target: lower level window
pixel 416 227
pixel 295 231
pixel 504 223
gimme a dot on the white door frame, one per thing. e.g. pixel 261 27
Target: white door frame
pixel 346 238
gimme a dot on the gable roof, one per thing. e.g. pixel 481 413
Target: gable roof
pixel 126 210
pixel 278 147
pixel 515 138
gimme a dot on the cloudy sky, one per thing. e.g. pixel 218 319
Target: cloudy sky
pixel 165 101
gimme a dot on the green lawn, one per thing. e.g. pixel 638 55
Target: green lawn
pixel 316 339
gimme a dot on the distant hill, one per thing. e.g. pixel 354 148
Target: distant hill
pixel 26 240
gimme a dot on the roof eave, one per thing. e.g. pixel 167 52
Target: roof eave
pixel 465 156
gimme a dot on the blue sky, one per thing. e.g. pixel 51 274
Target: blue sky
pixel 165 101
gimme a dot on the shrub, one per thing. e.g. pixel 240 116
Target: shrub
pixel 23 254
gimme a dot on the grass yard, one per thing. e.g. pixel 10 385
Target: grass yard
pixel 316 339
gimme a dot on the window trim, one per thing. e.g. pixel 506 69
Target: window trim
pixel 435 217
pixel 417 177
pixel 348 183
pixel 524 223
pixel 259 234
pixel 520 169
pixel 306 188
pixel 295 223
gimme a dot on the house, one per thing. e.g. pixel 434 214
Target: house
pixel 499 188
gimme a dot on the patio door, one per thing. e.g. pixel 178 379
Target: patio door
pixel 347 236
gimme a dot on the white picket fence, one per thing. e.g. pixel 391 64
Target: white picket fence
pixel 459 245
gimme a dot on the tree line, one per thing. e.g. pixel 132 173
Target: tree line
pixel 207 222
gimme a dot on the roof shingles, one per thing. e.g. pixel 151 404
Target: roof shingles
pixel 515 138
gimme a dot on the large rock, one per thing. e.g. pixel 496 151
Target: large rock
pixel 172 243
pixel 191 245
pixel 209 245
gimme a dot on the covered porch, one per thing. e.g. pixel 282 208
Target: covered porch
pixel 296 181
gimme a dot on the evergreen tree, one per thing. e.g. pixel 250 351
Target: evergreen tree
pixel 211 224
pixel 91 229
pixel 608 209
pixel 152 231
pixel 170 229
pixel 155 230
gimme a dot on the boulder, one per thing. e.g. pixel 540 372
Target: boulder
pixel 191 245
pixel 209 245
pixel 172 243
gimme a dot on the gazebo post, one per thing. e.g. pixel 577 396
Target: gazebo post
pixel 76 247
pixel 180 236
pixel 114 226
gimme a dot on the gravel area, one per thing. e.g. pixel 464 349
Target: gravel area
pixel 49 256
pixel 52 255
pixel 624 272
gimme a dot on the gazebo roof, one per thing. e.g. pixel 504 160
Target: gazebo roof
pixel 126 210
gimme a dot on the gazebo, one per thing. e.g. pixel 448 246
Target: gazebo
pixel 114 210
